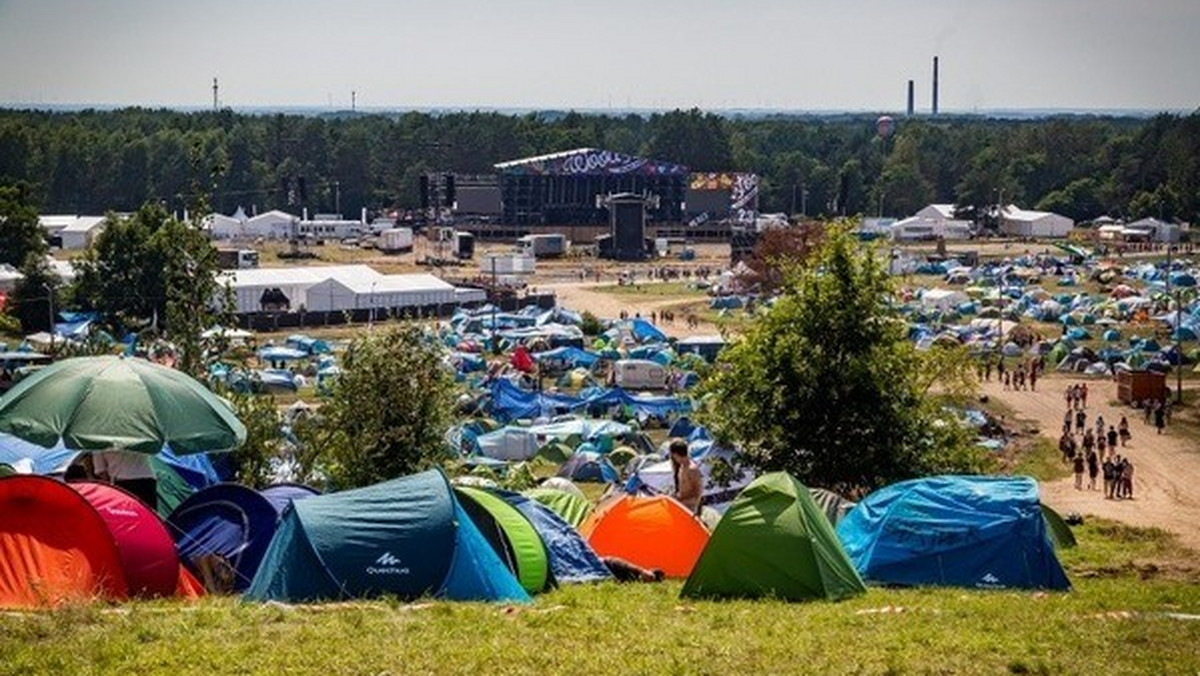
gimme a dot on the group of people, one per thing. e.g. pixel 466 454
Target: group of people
pixel 1023 376
pixel 1096 452
pixel 1158 411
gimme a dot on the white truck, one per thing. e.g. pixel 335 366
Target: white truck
pixel 395 240
pixel 506 264
pixel 543 246
pixel 640 374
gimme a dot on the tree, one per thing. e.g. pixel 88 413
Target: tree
pixel 20 233
pixel 777 251
pixel 827 386
pixel 35 297
pixel 252 460
pixel 389 409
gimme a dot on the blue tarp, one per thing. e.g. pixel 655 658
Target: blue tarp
pixel 509 402
pixel 279 353
pixel 196 469
pixel 567 358
pixel 571 558
pixel 965 531
pixel 646 332
pixel 407 538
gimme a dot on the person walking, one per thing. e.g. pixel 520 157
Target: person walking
pixel 1112 437
pixel 1080 421
pixel 1083 395
pixel 1066 446
pixel 1160 417
pixel 1127 478
pixel 1079 462
pixel 1093 468
pixel 1148 410
pixel 1123 431
pixel 1067 422
pixel 1033 376
pixel 1099 424
pixel 1109 470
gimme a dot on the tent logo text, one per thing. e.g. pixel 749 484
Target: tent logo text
pixel 387 564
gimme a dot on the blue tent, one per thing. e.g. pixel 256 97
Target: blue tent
pixel 227 521
pixel 567 358
pixel 408 538
pixel 571 558
pixel 196 469
pixel 646 332
pixel 965 531
pixel 282 495
pixel 588 466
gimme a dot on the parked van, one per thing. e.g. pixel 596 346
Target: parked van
pixel 640 374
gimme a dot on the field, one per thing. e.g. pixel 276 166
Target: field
pixel 1135 609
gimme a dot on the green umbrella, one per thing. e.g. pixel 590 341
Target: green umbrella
pixel 100 403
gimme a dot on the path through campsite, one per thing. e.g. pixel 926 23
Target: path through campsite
pixel 580 296
pixel 1166 468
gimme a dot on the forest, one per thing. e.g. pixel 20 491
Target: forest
pixel 91 162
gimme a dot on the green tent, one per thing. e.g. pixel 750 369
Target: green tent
pixel 515 540
pixel 774 541
pixel 6 470
pixel 556 451
pixel 172 489
pixel 1058 530
pixel 572 508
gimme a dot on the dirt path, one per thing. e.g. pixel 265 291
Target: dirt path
pixel 580 296
pixel 1166 474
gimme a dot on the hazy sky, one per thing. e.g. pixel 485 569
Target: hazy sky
pixel 794 54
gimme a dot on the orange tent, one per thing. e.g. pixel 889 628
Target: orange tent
pixel 652 532
pixel 54 547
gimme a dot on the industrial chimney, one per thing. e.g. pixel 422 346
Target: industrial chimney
pixel 935 85
pixel 910 98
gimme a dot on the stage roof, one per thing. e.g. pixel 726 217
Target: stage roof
pixel 589 162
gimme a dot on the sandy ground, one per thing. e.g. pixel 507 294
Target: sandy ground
pixel 584 296
pixel 1166 468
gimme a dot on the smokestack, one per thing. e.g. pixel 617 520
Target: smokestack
pixel 935 85
pixel 910 98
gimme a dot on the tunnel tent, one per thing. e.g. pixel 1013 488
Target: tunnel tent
pixel 221 533
pixel 961 531
pixel 1058 530
pixel 57 548
pixel 408 537
pixel 568 506
pixel 513 537
pixel 774 541
pixel 147 552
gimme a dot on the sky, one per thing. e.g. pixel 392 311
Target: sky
pixel 854 55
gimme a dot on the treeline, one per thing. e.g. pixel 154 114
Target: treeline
pixel 95 161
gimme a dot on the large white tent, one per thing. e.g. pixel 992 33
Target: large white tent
pixel 335 288
pixel 1023 223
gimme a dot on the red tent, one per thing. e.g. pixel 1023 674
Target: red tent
pixel 521 360
pixel 54 547
pixel 146 548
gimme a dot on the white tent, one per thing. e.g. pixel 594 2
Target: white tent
pixel 943 299
pixel 1022 223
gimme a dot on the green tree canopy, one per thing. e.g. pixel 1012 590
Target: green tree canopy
pixel 389 410
pixel 827 387
pixel 20 233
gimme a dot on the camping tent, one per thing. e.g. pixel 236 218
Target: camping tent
pixel 408 538
pixel 511 535
pixel 570 507
pixel 774 541
pixel 221 534
pixel 281 495
pixel 508 443
pixel 591 467
pixel 969 531
pixel 56 548
pixel 833 505
pixel 146 550
pixel 652 532
pixel 571 558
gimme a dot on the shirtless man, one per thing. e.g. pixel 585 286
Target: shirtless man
pixel 689 482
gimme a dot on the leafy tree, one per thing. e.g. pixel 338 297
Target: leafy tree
pixel 827 386
pixel 389 410
pixel 20 233
pixel 691 138
pixel 252 459
pixel 36 294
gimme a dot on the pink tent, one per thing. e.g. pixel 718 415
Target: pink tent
pixel 146 549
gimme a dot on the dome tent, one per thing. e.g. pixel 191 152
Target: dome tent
pixel 407 537
pixel 968 531
pixel 652 532
pixel 774 541
pixel 571 558
pixel 510 534
pixel 221 533
pixel 572 508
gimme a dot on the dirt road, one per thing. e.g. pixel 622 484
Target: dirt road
pixel 580 296
pixel 1166 474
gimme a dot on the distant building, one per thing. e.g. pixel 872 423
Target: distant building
pixel 1152 230
pixel 937 212
pixel 220 226
pixel 273 224
pixel 337 288
pixel 919 228
pixel 1018 222
pixel 72 232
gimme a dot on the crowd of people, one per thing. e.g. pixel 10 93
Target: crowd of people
pixel 1022 376
pixel 1096 450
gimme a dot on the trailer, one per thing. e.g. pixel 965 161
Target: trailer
pixel 395 240
pixel 543 246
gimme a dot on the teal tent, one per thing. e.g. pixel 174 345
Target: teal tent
pixel 408 538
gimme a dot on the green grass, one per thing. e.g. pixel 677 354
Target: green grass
pixel 1114 621
pixel 1040 459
